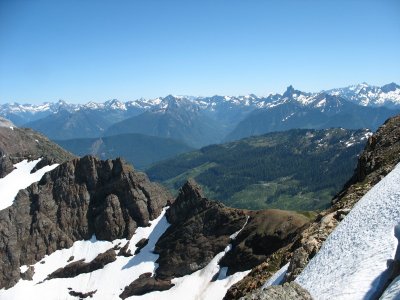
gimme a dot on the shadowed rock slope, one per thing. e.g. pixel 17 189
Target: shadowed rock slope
pixel 79 199
pixel 201 228
pixel 17 144
pixel 380 156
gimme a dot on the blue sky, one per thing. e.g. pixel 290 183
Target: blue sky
pixel 94 50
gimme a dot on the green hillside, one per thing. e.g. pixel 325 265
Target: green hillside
pixel 298 169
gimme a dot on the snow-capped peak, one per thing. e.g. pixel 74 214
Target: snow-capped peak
pixel 115 104
pixel 368 95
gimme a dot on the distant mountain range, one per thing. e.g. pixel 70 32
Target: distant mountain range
pixel 200 121
pixel 296 109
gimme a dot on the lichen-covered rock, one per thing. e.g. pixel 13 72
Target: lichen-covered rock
pixel 288 291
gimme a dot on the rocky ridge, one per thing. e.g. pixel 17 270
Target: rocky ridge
pixel 80 198
pixel 201 228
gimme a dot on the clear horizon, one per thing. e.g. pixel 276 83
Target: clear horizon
pixel 97 50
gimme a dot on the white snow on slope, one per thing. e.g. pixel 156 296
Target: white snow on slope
pixel 200 284
pixel 277 278
pixel 109 281
pixel 114 277
pixel 351 260
pixel 20 178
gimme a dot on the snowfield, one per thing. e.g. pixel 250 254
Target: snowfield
pixel 352 262
pixel 20 178
pixel 110 281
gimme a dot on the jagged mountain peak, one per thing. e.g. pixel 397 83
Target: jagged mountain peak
pixel 115 104
pixel 369 95
pixel 190 189
pixel 290 91
pixel 323 100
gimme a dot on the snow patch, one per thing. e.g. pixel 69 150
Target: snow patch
pixel 287 117
pixel 20 178
pixel 114 277
pixel 277 278
pixel 200 284
pixel 353 258
pixel 109 281
pixel 234 235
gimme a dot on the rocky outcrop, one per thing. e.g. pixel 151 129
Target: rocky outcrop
pixel 79 267
pixel 78 199
pixel 381 155
pixel 145 284
pixel 125 251
pixel 142 243
pixel 201 228
pixel 17 144
pixel 81 295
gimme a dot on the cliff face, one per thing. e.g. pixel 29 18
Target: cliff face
pixel 78 199
pixel 380 156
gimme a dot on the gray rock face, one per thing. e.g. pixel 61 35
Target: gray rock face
pixel 288 291
pixel 78 199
